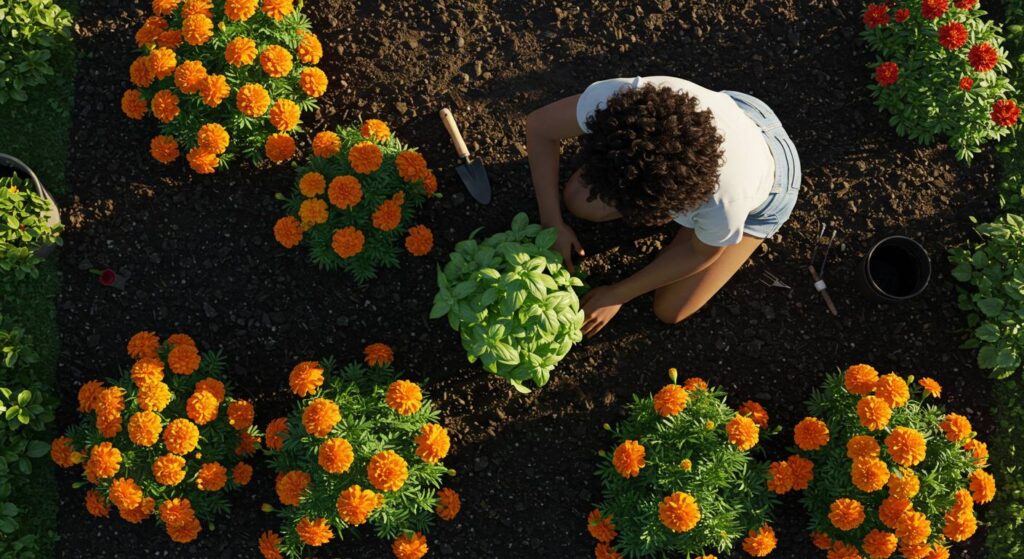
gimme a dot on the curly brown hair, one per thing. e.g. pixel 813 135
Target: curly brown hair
pixel 651 154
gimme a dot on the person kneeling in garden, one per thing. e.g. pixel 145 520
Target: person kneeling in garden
pixel 663 149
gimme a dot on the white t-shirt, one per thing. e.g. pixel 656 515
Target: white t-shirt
pixel 748 168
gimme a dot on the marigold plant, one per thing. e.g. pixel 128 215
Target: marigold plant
pixel 361 447
pixel 940 71
pixel 891 474
pixel 165 440
pixel 356 199
pixel 681 481
pixel 225 78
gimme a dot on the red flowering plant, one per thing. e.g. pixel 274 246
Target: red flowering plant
pixel 225 78
pixel 893 475
pixel 362 446
pixel 356 199
pixel 165 440
pixel 941 71
pixel 681 481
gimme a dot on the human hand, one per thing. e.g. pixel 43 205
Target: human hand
pixel 600 305
pixel 568 245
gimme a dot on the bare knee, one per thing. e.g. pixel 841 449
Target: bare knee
pixel 673 313
pixel 575 197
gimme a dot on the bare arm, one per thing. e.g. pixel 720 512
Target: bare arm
pixel 546 127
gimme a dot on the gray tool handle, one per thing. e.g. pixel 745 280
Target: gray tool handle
pixel 453 130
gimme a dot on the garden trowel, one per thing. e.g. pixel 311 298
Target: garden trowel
pixel 473 174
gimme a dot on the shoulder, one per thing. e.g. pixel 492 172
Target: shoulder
pixel 595 97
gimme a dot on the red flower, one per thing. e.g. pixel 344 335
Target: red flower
pixel 107 277
pixel 902 14
pixel 966 83
pixel 876 15
pixel 887 73
pixel 965 4
pixel 934 9
pixel 953 35
pixel 1005 112
pixel 983 57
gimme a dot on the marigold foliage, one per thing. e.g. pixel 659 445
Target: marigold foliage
pixel 156 445
pixel 696 493
pixel 375 466
pixel 902 483
pixel 369 202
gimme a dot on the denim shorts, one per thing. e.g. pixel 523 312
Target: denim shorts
pixel 766 220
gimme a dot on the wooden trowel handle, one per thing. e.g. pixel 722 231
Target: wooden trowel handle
pixel 453 131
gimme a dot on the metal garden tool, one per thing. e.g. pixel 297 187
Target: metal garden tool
pixel 473 174
pixel 771 280
pixel 818 273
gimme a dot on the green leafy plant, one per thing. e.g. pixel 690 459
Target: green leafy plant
pixel 29 30
pixel 681 481
pixel 24 227
pixel 361 447
pixel 941 71
pixel 512 301
pixel 1006 516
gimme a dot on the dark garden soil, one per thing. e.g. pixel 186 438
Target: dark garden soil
pixel 201 258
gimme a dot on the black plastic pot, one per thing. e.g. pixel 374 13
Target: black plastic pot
pixel 896 269
pixel 24 171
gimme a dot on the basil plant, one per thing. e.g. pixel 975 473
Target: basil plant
pixel 512 301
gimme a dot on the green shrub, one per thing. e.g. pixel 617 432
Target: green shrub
pixel 512 301
pixel 29 29
pixel 1006 517
pixel 928 99
pixel 23 228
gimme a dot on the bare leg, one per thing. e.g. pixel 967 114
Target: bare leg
pixel 575 198
pixel 678 301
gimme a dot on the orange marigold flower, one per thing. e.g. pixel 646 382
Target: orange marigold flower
pixel 378 354
pixel 212 476
pixel 679 512
pixel 449 504
pixel 874 412
pixel 189 75
pixel 141 72
pixel 247 444
pixel 104 461
pixel 197 7
pixel 110 403
pixel 891 509
pixel 742 432
pixel 978 450
pixel 347 242
pixel 879 544
pixel 184 359
pixel 956 427
pixel 277 432
pixel 169 469
pixel 252 99
pixel 269 545
pixel 365 157
pixel 240 10
pixel 312 212
pixel 869 474
pixel 202 407
pixel 960 525
pixel 313 81
pixel 335 455
pixel 419 241
pixel 241 473
pixel 291 486
pixel 312 184
pixel 628 459
pixel 196 29
pixel 143 344
pixel 214 90
pixel 326 144
pixel 780 478
pixel 930 387
pixel 320 417
pixel 983 487
pixel 125 493
pixel 87 395
pixel 277 9
pixel 670 400
pixel 213 386
pixel 288 232
pixel 821 540
pixel 410 546
pixel 862 446
pixel 355 505
pixel 186 532
pixel 214 137
pixel 164 7
pixel 175 340
pixel 601 527
pixel 165 106
pixel 162 62
pixel 241 414
pixel 144 428
pixel 310 50
pixel 803 471
pixel 150 30
pixel 387 216
pixel 433 443
pixel 147 370
pixel 108 427
pixel 133 105
pixel 306 378
pixel 176 512
pixel 154 397
pixel 164 149
pixel 315 532
pixel 387 471
pixel 139 513
pixel 170 39
pixel 203 161
pixel 913 528
pixel 606 551
pixel 906 446
pixel 411 166
pixel 96 504
pixel 846 514
pixel 754 411
pixel 374 129
pixel 904 484
pixel 810 434
pixel 241 51
pixel 181 436
pixel 860 379
pixel 893 389
pixel 404 397
pixel 276 61
pixel 345 192
pixel 938 551
pixel 761 542
pixel 63 453
pixel 430 183
pixel 279 147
